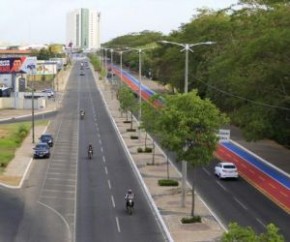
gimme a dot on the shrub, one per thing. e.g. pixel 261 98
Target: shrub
pixel 131 130
pixel 148 150
pixel 139 150
pixel 168 183
pixel 127 122
pixel 21 133
pixel 193 219
pixel 134 137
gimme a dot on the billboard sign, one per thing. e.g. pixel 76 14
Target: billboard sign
pixel 16 64
pixel 46 67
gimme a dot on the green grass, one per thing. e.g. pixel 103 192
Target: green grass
pixel 11 138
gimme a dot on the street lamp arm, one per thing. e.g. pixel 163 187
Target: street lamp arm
pixel 202 43
pixel 171 42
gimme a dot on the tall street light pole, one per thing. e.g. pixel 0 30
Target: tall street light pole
pixel 140 84
pixel 112 50
pixel 121 52
pixel 140 51
pixel 32 67
pixel 186 48
pixel 105 60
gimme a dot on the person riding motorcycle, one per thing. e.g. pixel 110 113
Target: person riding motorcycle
pixel 82 113
pixel 90 149
pixel 129 196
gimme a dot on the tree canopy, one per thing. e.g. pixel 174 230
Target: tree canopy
pixel 245 73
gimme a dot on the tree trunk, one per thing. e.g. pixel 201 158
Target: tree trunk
pixel 145 139
pixel 193 192
pixel 127 118
pixel 167 164
pixel 153 153
pixel 131 120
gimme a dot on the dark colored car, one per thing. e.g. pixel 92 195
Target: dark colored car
pixel 46 138
pixel 41 150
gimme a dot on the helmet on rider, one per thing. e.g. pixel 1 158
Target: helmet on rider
pixel 130 191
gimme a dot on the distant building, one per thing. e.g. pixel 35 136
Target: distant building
pixel 83 29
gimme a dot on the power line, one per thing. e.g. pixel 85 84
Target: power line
pixel 245 99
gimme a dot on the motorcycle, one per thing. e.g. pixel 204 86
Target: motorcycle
pixel 82 113
pixel 90 154
pixel 130 206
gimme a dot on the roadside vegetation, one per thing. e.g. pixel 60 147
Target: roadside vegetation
pixel 247 234
pixel 11 138
pixel 242 80
pixel 245 73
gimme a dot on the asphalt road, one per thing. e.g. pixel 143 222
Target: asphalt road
pixel 238 201
pixel 70 198
pixel 104 180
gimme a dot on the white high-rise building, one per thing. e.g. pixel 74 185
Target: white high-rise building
pixel 83 29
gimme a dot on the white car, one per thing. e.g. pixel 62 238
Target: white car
pixel 48 92
pixel 226 170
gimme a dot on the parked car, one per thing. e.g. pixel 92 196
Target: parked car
pixel 48 92
pixel 46 138
pixel 41 150
pixel 226 170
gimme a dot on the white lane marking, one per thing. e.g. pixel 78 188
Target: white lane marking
pixel 58 172
pixel 102 150
pixel 264 225
pixel 61 217
pixel 118 225
pixel 99 135
pixel 62 185
pixel 43 197
pixel 104 159
pixel 106 170
pixel 109 184
pixel 206 171
pixel 241 204
pixel 113 201
pixel 100 141
pixel 60 179
pixel 56 191
pixel 222 186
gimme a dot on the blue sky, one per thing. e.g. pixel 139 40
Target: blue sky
pixel 44 21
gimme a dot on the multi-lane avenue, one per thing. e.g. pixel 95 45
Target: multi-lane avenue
pixel 71 198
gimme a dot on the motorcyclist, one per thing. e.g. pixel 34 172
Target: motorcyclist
pixel 90 148
pixel 82 113
pixel 129 195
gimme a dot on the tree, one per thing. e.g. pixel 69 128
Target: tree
pixel 188 126
pixel 149 120
pixel 127 102
pixel 237 233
